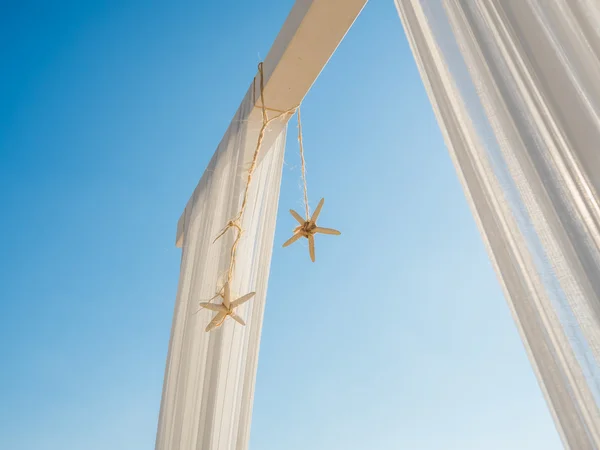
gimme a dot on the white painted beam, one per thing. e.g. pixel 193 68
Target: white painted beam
pixel 308 38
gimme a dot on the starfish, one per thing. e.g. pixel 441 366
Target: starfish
pixel 227 308
pixel 308 228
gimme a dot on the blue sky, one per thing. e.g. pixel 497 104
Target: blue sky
pixel 109 112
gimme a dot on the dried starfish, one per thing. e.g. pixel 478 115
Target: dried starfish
pixel 226 308
pixel 308 228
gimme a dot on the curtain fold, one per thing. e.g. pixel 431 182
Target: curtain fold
pixel 210 377
pixel 514 86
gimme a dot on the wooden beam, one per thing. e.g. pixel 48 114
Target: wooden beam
pixel 308 38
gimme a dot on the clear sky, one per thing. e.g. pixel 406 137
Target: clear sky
pixel 109 113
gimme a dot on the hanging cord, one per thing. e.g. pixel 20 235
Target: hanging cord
pixel 303 165
pixel 237 221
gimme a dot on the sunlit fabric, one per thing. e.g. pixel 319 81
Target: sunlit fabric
pixel 515 87
pixel 210 376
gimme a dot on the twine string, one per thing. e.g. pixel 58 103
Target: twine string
pixel 236 222
pixel 303 165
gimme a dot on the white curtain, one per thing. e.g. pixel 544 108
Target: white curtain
pixel 515 85
pixel 209 379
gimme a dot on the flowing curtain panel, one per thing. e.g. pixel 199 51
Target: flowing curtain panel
pixel 515 86
pixel 209 378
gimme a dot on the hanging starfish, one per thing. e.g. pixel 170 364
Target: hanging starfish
pixel 308 228
pixel 226 308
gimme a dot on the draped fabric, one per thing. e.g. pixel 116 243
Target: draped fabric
pixel 209 379
pixel 515 86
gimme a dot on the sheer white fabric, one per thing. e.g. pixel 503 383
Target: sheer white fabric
pixel 209 379
pixel 515 87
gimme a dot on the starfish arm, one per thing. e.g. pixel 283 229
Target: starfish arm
pixel 213 307
pixel 297 216
pixel 327 231
pixel 293 239
pixel 226 295
pixel 242 300
pixel 315 215
pixel 311 247
pixel 238 319
pixel 218 320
